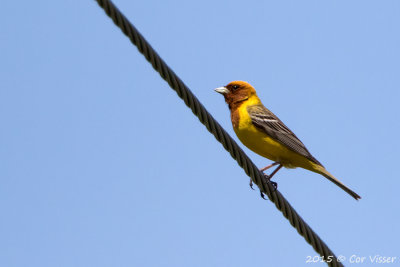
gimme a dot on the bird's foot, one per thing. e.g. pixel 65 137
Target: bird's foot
pixel 268 180
pixel 251 184
pixel 274 185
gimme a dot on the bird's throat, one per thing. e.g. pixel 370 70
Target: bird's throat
pixel 233 105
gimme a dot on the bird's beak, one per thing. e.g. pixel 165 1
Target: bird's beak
pixel 222 90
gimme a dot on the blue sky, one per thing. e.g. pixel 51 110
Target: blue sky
pixel 102 165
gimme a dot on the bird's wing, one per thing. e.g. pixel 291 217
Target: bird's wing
pixel 266 121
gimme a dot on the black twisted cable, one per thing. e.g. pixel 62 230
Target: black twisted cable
pixel 220 134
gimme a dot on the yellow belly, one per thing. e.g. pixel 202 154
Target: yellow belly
pixel 265 146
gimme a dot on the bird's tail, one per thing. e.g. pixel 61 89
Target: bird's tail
pixel 321 170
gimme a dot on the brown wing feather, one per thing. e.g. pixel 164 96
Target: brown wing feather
pixel 267 122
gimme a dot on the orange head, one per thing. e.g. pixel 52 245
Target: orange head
pixel 236 92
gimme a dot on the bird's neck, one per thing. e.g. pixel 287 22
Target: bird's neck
pixel 238 101
pixel 239 104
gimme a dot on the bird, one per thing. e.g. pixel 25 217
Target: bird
pixel 265 134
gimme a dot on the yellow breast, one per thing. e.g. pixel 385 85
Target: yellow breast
pixel 262 144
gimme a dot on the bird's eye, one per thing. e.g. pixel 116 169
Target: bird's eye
pixel 235 87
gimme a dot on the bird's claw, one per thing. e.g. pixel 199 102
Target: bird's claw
pixel 267 180
pixel 251 184
pixel 274 185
